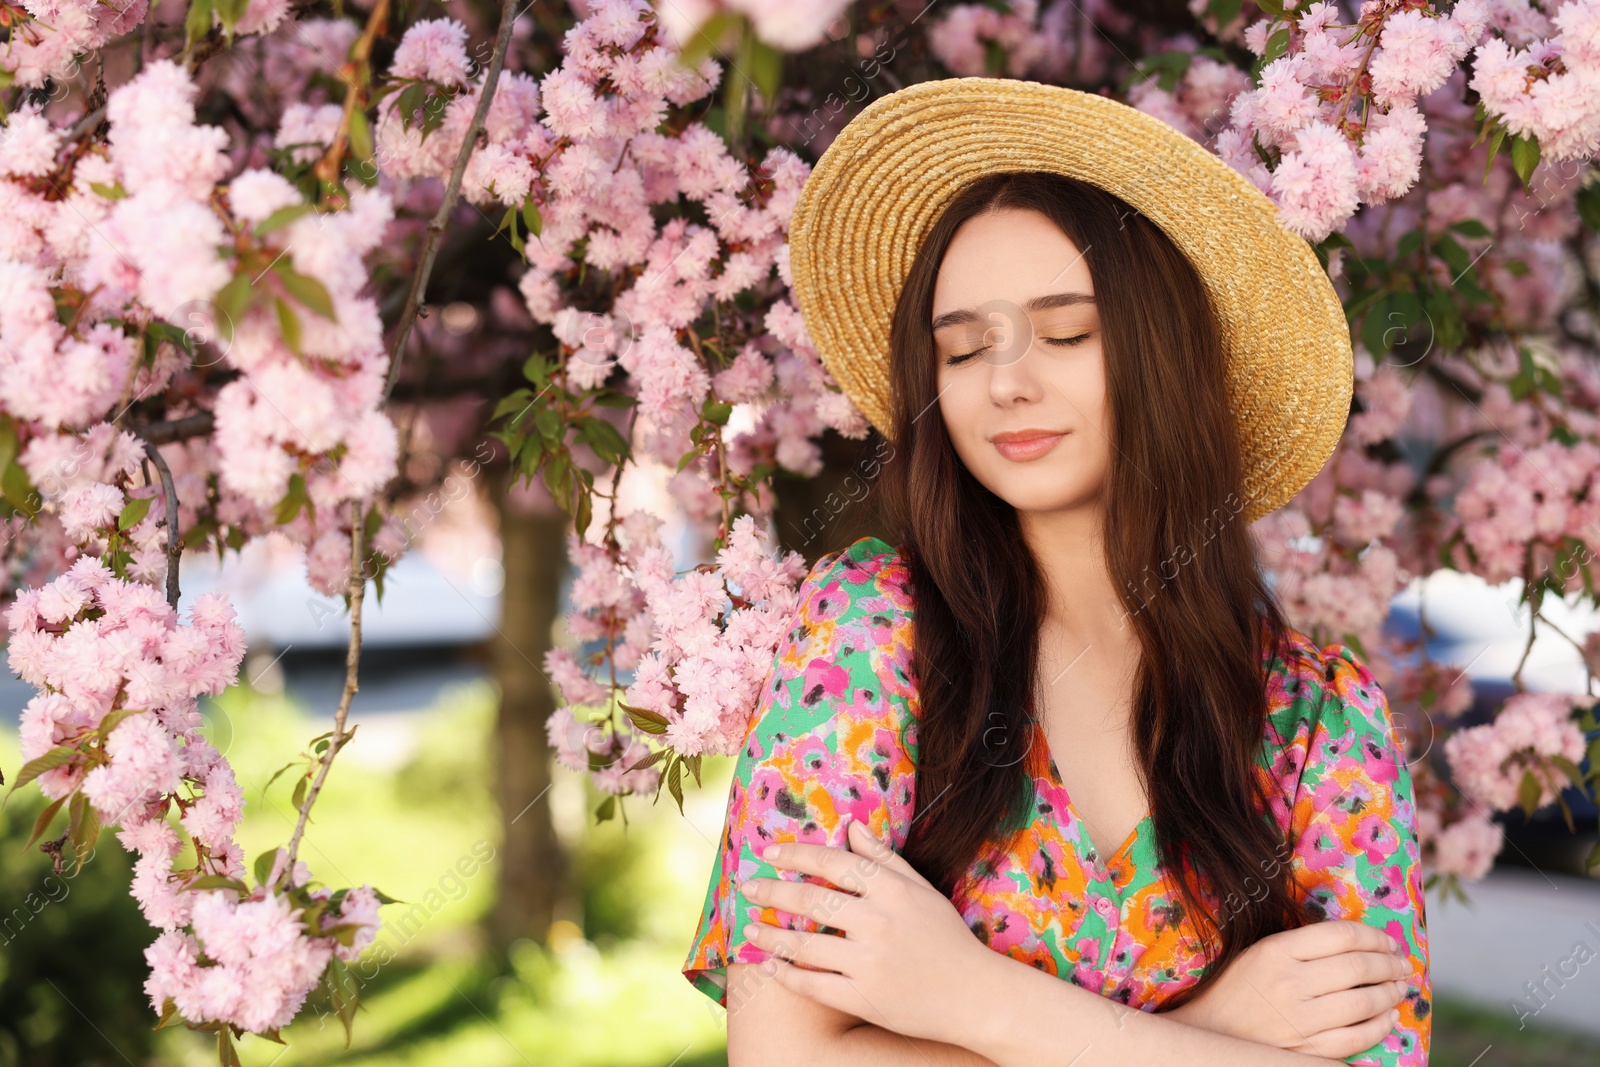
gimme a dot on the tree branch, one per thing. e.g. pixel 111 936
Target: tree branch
pixel 352 660
pixel 452 190
pixel 174 538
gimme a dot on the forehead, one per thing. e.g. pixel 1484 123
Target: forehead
pixel 1013 255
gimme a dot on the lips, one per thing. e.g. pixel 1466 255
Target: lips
pixel 1023 445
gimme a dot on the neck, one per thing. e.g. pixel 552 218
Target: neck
pixel 1082 606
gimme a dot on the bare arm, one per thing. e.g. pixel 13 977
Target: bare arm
pixel 1019 1016
pixel 1023 1017
pixel 770 1026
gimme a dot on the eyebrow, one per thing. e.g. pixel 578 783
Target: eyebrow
pixel 1038 303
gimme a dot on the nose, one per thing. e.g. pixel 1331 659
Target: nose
pixel 1013 370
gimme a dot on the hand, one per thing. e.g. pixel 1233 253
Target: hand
pixel 906 958
pixel 1327 989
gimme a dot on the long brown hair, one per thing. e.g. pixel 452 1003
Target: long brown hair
pixel 1178 552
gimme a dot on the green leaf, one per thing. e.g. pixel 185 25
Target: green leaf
pixel 675 783
pixel 84 829
pixel 707 37
pixel 197 23
pixel 1469 228
pixel 512 402
pixel 226 1053
pixel 1528 793
pixel 583 514
pixel 765 68
pixel 715 411
pixel 59 756
pixel 345 993
pixel 1496 138
pixel 282 217
pixel 645 719
pixel 306 289
pixel 300 788
pixel 361 147
pixel 263 864
pixel 134 512
pixel 607 808
pixel 232 302
pixel 385 898
pixel 548 423
pixel 42 823
pixel 230 12
pixel 1355 644
pixel 275 776
pixel 9 442
pixel 113 719
pixel 169 1015
pixel 1588 201
pixel 410 100
pixel 114 191
pixel 537 369
pixel 531 218
pixel 288 324
pixel 1524 157
pixel 293 500
pixel 1225 11
pixel 607 442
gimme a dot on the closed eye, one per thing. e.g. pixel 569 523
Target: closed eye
pixel 1059 342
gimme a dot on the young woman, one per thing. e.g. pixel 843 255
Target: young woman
pixel 1051 778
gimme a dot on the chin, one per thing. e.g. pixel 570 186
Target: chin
pixel 1044 492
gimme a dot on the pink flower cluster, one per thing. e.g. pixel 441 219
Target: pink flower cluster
pixel 119 679
pixel 260 961
pixel 582 146
pixel 1529 499
pixel 1337 152
pixel 140 235
pixel 1489 761
pixel 1465 848
pixel 96 645
pixel 1550 89
pixel 716 633
pixel 699 644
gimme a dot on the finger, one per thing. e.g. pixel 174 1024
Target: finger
pixel 820 903
pixel 828 952
pixel 831 989
pixel 864 842
pixel 835 863
pixel 1347 970
pixel 1349 1006
pixel 1345 1041
pixel 1333 936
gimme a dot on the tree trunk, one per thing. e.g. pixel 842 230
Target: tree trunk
pixel 533 867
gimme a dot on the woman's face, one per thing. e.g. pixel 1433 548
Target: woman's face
pixel 1021 377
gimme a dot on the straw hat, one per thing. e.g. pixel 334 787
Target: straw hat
pixel 873 196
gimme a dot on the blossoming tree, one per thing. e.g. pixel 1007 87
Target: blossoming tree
pixel 216 253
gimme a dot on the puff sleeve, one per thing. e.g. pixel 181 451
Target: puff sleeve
pixel 1350 814
pixel 833 733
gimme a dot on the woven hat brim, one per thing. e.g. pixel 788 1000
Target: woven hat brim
pixel 877 190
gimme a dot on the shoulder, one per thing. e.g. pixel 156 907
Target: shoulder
pixel 1326 709
pixel 869 577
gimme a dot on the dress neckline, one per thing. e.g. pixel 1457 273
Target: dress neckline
pixel 1054 777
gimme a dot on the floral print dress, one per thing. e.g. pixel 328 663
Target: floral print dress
pixel 835 734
